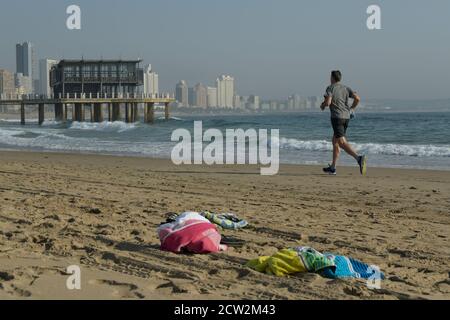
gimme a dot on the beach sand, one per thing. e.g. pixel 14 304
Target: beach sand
pixel 101 213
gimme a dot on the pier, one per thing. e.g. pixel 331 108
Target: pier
pixel 105 89
pixel 102 107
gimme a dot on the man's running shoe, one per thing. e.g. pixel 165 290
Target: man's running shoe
pixel 362 162
pixel 330 170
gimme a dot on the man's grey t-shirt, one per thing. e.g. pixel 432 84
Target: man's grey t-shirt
pixel 339 100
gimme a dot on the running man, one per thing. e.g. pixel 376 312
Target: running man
pixel 336 98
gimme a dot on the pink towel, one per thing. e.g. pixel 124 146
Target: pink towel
pixel 193 235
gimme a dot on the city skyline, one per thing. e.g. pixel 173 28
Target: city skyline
pixel 223 95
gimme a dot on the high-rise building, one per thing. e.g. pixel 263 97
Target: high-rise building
pixel 237 102
pixel 191 97
pixel 181 93
pixel 297 101
pixel 314 102
pixel 200 96
pixel 273 105
pixel 24 84
pixel 45 65
pixel 290 103
pixel 7 85
pixel 225 91
pixel 151 81
pixel 212 97
pixel 25 60
pixel 253 102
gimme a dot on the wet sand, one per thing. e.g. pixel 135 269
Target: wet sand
pixel 101 213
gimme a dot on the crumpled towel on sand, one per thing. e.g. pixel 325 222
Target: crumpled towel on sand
pixel 190 232
pixel 290 261
pixel 306 259
pixel 225 220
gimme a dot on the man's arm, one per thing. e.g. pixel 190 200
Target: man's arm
pixel 356 101
pixel 326 102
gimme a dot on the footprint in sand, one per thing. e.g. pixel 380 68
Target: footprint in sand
pixel 178 287
pixel 120 290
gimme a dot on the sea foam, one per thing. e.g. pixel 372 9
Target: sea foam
pixel 369 148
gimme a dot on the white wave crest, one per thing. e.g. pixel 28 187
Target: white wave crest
pixel 370 148
pixel 117 126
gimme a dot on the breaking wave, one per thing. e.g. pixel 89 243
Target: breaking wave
pixel 370 148
pixel 116 126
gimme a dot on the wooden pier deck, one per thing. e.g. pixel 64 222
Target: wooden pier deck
pixel 96 104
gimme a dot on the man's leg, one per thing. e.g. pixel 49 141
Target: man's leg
pixel 342 142
pixel 336 151
pixel 362 160
pixel 331 169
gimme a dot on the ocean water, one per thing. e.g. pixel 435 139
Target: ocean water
pixel 403 139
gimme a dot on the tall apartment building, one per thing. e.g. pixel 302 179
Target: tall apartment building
pixel 25 60
pixel 225 91
pixel 23 84
pixel 212 97
pixel 237 102
pixel 182 94
pixel 45 66
pixel 7 84
pixel 200 96
pixel 151 80
pixel 253 102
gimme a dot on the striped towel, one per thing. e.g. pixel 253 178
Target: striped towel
pixel 313 260
pixel 225 220
pixel 350 268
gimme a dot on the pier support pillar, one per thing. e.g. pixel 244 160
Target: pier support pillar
pixel 64 112
pixel 98 112
pixel 41 115
pixel 79 112
pixel 83 113
pixel 91 110
pixel 138 115
pixel 149 112
pixel 109 112
pixel 115 111
pixel 22 114
pixel 59 111
pixel 166 111
pixel 127 112
pixel 134 112
pixel 131 106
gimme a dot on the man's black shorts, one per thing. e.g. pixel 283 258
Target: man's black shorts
pixel 339 127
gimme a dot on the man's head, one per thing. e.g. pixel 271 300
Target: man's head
pixel 336 76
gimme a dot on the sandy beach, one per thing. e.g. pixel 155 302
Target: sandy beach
pixel 101 213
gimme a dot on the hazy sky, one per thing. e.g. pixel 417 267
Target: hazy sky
pixel 272 47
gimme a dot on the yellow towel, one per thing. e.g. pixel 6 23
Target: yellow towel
pixel 282 263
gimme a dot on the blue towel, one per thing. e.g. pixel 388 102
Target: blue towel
pixel 350 268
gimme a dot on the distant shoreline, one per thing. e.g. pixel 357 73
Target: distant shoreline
pixel 88 154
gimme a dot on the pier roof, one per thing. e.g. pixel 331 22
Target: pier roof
pixel 79 61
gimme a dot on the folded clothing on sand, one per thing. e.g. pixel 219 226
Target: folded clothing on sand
pixel 190 232
pixel 225 220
